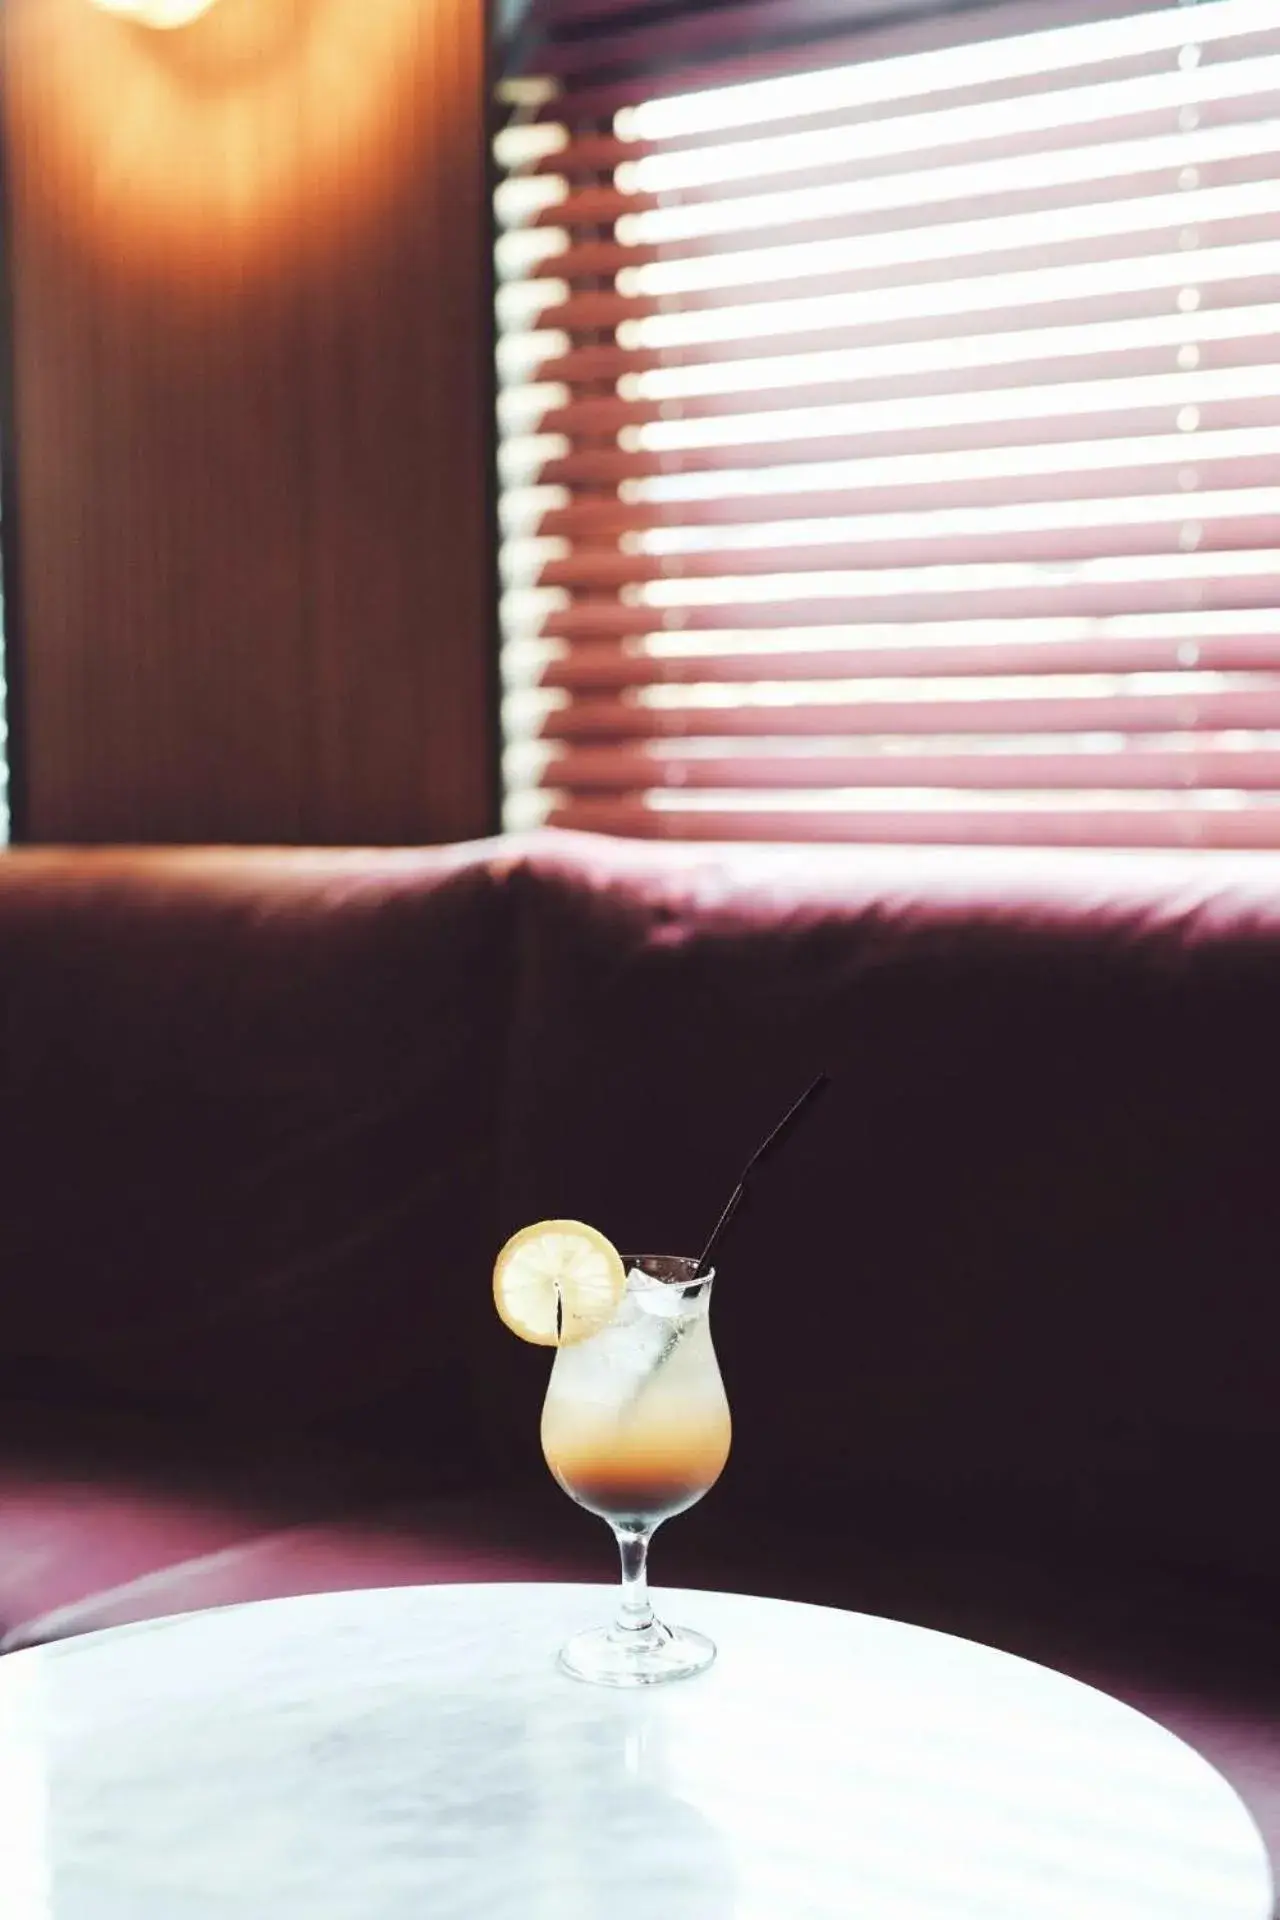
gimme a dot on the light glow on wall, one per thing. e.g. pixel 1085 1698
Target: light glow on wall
pixel 263 129
pixel 157 13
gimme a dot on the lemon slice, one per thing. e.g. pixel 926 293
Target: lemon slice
pixel 557 1282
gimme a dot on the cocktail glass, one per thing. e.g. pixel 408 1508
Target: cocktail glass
pixel 635 1427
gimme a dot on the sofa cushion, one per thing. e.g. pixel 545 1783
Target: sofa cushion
pixel 63 1542
pixel 93 1501
pixel 248 1109
pixel 440 1541
pixel 1023 1255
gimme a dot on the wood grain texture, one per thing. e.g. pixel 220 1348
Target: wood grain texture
pixel 251 364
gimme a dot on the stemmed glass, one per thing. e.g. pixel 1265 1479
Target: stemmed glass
pixel 635 1427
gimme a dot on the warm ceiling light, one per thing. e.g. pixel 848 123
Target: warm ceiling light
pixel 266 132
pixel 157 13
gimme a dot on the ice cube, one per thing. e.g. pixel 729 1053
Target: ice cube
pixel 655 1296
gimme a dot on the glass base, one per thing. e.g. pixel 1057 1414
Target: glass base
pixel 636 1656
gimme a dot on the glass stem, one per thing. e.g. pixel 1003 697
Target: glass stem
pixel 634 1612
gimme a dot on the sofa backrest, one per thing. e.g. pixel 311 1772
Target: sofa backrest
pixel 266 1117
pixel 248 1124
pixel 1021 1267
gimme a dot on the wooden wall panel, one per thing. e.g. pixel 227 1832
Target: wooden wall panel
pixel 251 352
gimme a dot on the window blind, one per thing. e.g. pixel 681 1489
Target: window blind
pixel 890 430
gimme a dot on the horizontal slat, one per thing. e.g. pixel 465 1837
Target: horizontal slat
pixel 654 94
pixel 590 207
pixel 602 666
pixel 593 416
pixel 599 16
pixel 947 213
pixel 873 27
pixel 604 362
pixel 1094 592
pixel 869 329
pixel 887 162
pixel 1137 534
pixel 678 37
pixel 1002 417
pixel 977 278
pixel 1192 453
pixel 1155 341
pixel 1132 230
pixel 919 485
pixel 578 156
pixel 688 219
pixel 1023 531
pixel 558 17
pixel 1181 821
pixel 998 295
pixel 618 720
pixel 682 36
pixel 1038 123
pixel 831 148
pixel 1239 336
pixel 586 770
pixel 604 464
pixel 1144 585
pixel 982 70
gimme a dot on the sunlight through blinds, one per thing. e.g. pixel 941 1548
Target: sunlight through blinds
pixel 890 431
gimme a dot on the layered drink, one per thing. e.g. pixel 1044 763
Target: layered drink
pixel 635 1425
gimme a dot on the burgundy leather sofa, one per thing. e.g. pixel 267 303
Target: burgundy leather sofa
pixel 1001 1331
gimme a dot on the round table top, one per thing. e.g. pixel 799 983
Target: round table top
pixel 397 1754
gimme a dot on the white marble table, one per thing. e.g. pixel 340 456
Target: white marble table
pixel 413 1755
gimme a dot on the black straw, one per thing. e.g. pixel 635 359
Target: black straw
pixel 768 1146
